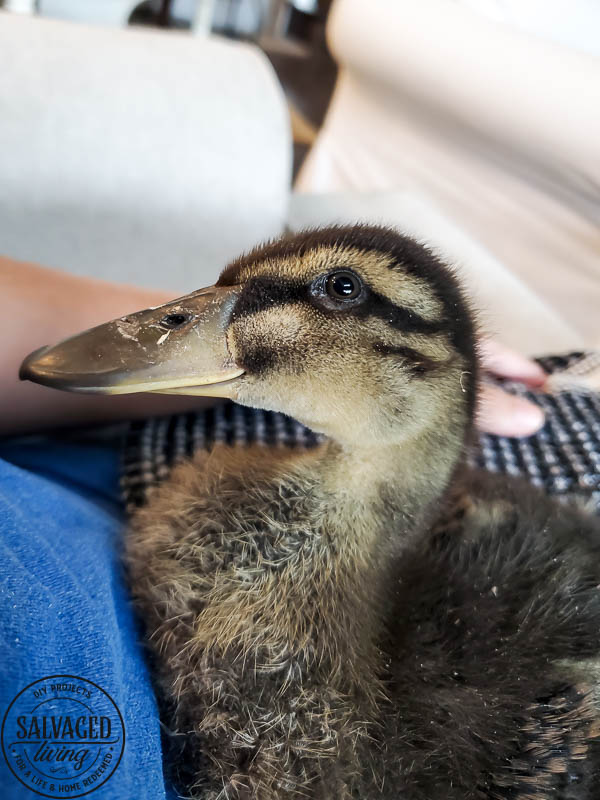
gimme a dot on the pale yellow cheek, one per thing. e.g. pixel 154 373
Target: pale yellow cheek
pixel 283 323
pixel 279 328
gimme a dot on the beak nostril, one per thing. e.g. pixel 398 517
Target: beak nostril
pixel 173 321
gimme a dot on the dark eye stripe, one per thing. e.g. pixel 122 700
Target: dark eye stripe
pixel 263 292
pixel 401 318
pixel 418 363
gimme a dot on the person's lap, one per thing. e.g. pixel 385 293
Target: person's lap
pixel 64 607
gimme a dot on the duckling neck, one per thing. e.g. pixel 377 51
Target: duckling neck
pixel 401 483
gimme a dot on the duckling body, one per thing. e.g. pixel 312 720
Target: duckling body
pixel 304 661
pixel 369 619
pixel 274 665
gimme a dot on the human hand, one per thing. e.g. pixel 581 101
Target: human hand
pixel 501 413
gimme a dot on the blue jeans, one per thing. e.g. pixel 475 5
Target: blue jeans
pixel 64 606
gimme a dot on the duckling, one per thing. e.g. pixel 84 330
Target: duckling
pixel 370 618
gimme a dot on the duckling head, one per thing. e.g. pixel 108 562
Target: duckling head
pixel 358 332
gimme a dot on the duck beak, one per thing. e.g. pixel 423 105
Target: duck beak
pixel 177 348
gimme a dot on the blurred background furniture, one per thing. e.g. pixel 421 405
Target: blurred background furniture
pixel 105 12
pixel 249 18
pixel 154 157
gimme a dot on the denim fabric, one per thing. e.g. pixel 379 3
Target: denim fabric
pixel 64 607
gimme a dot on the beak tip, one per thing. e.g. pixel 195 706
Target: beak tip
pixel 27 370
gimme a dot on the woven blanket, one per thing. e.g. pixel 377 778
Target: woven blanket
pixel 563 457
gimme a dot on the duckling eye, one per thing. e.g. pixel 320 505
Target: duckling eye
pixel 343 286
pixel 173 321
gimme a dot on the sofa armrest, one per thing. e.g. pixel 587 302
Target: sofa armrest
pixel 137 156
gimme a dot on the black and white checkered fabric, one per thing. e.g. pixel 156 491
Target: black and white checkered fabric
pixel 563 458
